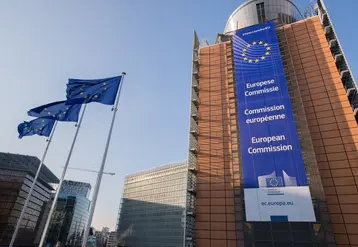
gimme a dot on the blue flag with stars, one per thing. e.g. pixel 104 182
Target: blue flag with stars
pixel 39 126
pixel 274 182
pixel 58 111
pixel 85 91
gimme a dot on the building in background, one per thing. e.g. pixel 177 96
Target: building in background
pixel 323 96
pixel 111 242
pixel 16 176
pixel 70 217
pixel 105 229
pixel 102 237
pixel 153 207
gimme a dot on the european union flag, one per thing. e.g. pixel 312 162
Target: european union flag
pixel 85 91
pixel 58 111
pixel 39 126
pixel 274 182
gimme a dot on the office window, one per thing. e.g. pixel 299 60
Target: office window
pixel 261 12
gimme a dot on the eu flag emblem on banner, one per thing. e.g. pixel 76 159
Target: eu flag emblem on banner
pixel 274 182
pixel 85 91
pixel 39 126
pixel 256 52
pixel 58 111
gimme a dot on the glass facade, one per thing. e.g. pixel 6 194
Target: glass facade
pixel 16 177
pixel 75 188
pixel 153 208
pixel 257 11
pixel 71 215
pixel 69 220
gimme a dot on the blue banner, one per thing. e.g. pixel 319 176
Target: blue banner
pixel 274 176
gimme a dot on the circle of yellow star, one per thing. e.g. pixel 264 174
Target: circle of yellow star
pixel 274 182
pixel 255 59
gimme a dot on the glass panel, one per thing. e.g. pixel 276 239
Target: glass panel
pixel 261 226
pixel 281 226
pixel 262 235
pixel 263 244
pixel 281 236
pixel 300 226
pixel 301 236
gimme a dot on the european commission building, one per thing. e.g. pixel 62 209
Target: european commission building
pixel 273 139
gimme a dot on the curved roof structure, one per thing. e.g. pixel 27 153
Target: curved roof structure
pixel 257 11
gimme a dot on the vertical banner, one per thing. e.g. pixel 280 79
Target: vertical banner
pixel 275 182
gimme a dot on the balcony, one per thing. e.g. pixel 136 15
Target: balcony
pixel 195 102
pixel 196 74
pixel 191 190
pixel 190 213
pixel 194 133
pixel 193 169
pixel 196 87
pixel 193 150
pixel 344 74
pixel 350 91
pixel 333 43
pixel 323 18
pixel 338 57
pixel 328 30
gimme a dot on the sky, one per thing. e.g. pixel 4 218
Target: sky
pixel 43 43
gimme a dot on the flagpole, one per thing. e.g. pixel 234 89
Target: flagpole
pixel 100 173
pixel 18 224
pixel 44 233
